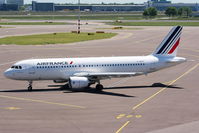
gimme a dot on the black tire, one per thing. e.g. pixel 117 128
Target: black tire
pixel 99 87
pixel 30 88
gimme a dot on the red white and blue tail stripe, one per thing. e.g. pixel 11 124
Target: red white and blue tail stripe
pixel 168 46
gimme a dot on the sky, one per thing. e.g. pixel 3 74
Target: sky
pixel 107 1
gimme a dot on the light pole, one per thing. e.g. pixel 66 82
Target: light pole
pixel 78 31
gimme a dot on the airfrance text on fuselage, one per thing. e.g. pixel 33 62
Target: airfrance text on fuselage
pixel 51 63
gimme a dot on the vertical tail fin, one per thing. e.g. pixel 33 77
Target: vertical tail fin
pixel 168 47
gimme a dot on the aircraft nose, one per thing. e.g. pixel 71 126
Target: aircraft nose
pixel 8 74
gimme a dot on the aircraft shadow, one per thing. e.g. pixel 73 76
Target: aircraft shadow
pixel 34 90
pixel 155 85
pixel 93 90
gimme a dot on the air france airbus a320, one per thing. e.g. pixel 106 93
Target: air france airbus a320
pixel 82 72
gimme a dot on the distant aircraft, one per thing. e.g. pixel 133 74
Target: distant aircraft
pixel 82 72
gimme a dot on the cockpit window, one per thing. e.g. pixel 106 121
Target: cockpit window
pixel 16 67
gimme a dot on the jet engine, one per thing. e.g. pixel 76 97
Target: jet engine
pixel 78 82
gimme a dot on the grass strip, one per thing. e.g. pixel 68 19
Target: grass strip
pixel 54 38
pixel 154 23
pixel 83 17
pixel 33 23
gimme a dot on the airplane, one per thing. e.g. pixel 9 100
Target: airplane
pixel 79 73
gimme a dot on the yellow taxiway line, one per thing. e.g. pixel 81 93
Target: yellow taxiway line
pixel 123 126
pixel 149 98
pixel 161 90
pixel 41 101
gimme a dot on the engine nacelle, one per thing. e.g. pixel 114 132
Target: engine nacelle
pixel 78 82
pixel 60 81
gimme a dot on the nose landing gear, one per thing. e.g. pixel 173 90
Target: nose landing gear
pixel 30 86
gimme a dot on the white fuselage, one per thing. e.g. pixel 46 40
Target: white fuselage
pixel 64 68
pixel 82 72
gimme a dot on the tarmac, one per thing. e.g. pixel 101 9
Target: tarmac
pixel 161 102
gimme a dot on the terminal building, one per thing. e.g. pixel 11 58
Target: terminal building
pixel 118 8
pixel 73 7
pixel 95 8
pixel 16 2
pixel 98 8
pixel 160 5
pixel 10 5
pixel 42 6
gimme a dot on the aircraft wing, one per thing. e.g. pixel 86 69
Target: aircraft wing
pixel 100 76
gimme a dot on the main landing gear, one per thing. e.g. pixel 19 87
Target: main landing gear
pixel 99 87
pixel 30 86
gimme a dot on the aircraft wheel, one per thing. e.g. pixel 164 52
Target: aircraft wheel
pixel 29 88
pixel 99 87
